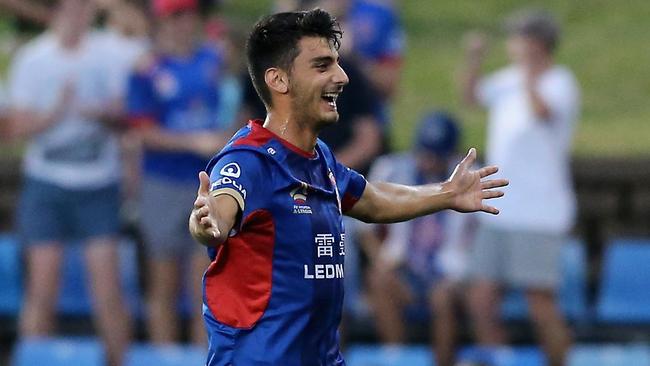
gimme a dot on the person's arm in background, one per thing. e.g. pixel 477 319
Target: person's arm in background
pixel 540 108
pixel 464 191
pixel 475 49
pixel 24 122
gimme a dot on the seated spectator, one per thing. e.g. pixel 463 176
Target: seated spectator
pixel 419 262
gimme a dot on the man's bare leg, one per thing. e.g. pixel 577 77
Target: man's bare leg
pixel 484 302
pixel 444 327
pixel 112 317
pixel 388 296
pixel 552 330
pixel 37 318
pixel 164 284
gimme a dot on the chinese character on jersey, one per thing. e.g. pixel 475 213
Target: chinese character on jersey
pixel 324 242
pixel 342 245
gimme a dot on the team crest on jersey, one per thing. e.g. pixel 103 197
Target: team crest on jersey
pixel 299 196
pixel 231 170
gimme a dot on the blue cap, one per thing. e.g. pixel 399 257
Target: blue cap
pixel 437 133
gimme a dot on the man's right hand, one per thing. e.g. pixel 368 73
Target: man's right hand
pixel 203 221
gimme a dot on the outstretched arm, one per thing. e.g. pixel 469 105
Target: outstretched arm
pixel 212 218
pixel 464 191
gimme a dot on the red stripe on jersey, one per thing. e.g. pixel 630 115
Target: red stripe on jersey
pixel 256 137
pixel 238 281
pixel 260 135
pixel 348 202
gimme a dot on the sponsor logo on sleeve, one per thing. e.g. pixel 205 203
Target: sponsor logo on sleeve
pixel 231 170
pixel 229 173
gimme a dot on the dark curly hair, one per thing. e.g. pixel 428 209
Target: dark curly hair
pixel 273 42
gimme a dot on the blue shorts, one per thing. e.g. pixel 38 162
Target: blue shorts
pixel 47 212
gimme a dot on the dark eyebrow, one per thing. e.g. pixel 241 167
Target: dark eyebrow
pixel 326 59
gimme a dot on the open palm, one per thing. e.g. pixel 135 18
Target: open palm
pixel 470 190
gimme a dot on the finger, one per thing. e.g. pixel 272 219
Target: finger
pixel 200 202
pixel 469 159
pixel 490 209
pixel 206 222
pixel 492 194
pixel 487 170
pixel 202 212
pixel 204 184
pixel 494 183
pixel 214 232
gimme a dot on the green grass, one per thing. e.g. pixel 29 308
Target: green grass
pixel 604 42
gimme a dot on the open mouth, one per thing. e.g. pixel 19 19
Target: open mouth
pixel 330 98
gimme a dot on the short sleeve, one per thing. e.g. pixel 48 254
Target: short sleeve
pixel 243 175
pixel 350 185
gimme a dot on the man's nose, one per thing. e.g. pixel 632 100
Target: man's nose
pixel 340 77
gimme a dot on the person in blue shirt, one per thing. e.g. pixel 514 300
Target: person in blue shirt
pixel 270 209
pixel 173 103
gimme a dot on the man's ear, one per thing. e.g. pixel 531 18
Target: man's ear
pixel 277 80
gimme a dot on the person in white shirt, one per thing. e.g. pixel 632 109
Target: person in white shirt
pixel 60 101
pixel 533 106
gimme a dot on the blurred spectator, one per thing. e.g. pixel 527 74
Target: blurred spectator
pixel 173 103
pixel 60 101
pixel 533 106
pixel 419 262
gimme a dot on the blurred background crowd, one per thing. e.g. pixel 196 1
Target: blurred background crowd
pixel 109 108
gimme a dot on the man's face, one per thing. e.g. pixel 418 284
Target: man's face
pixel 525 50
pixel 315 82
pixel 180 27
pixel 75 16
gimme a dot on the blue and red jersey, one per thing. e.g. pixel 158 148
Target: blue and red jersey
pixel 274 290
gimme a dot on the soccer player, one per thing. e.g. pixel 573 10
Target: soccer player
pixel 270 211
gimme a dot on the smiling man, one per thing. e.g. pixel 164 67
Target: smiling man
pixel 270 211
